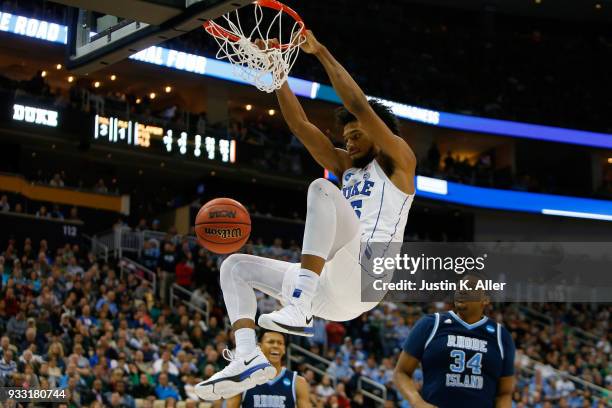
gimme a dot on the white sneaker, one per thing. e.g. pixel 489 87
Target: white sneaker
pixel 290 319
pixel 240 375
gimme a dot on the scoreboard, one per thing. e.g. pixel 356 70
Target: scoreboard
pixel 118 131
pixel 164 140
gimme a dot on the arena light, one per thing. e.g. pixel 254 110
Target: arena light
pixel 609 160
pixel 432 185
pixel 58 66
pixel 509 200
pixel 577 214
pixel 271 112
pixel 168 89
pixel 43 74
pixel 248 107
pixel 113 77
pixel 70 78
pixel 96 84
pixel 152 95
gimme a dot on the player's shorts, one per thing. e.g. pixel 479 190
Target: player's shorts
pixel 338 296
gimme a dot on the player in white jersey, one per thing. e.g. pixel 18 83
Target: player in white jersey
pixel 377 169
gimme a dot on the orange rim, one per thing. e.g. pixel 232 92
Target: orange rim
pixel 216 30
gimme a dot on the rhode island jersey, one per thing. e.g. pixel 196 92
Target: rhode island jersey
pixel 461 362
pixel 382 208
pixel 279 392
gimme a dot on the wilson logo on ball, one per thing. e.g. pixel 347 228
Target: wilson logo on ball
pixel 224 232
pixel 222 213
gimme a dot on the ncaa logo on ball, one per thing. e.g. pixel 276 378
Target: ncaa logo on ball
pixel 222 213
pixel 223 232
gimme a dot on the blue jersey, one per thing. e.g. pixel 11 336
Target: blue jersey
pixel 461 362
pixel 279 392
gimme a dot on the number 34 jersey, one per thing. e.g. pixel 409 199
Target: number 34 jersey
pixel 461 362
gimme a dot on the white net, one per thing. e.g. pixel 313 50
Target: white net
pixel 266 65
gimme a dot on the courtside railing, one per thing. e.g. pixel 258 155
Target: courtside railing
pixel 297 354
pixel 181 296
pixel 120 240
pixel 532 366
pixel 99 249
pixel 583 337
pixel 126 265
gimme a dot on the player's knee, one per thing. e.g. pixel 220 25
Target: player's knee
pixel 230 268
pixel 319 188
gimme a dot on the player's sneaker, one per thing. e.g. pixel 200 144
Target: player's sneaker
pixel 240 375
pixel 290 319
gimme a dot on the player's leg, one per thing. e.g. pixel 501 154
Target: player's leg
pixel 331 224
pixel 240 275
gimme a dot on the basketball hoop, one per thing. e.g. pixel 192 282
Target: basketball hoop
pixel 268 67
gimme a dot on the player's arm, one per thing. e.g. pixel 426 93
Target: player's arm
pixel 302 393
pixel 356 103
pixel 234 402
pixel 402 378
pixel 317 144
pixel 505 386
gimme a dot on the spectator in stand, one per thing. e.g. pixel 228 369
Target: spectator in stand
pixel 108 303
pixel 42 212
pixel 324 389
pixel 166 268
pixel 7 366
pixel 159 364
pixel 200 297
pixel 56 213
pixel 100 187
pixel 150 254
pixel 56 181
pixel 276 251
pixel 4 204
pixel 165 390
pixel 142 225
pixel 335 334
pixel 74 214
pixel 73 267
pixel 144 388
pixel 340 370
pixel 18 208
pixel 16 327
pixel 343 400
pixel 184 271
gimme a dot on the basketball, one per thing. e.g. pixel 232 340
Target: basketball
pixel 223 225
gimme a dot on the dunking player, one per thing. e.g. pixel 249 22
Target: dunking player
pixel 285 390
pixel 377 172
pixel 467 358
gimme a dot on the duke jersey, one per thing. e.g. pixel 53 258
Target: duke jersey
pixel 279 392
pixel 461 362
pixel 381 207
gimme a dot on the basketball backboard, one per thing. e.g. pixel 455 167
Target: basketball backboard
pixel 101 33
